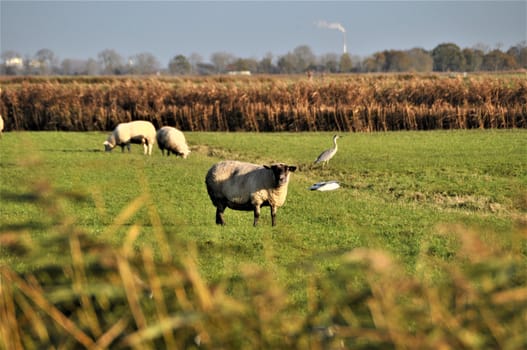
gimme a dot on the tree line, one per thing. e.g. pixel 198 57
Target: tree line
pixel 445 57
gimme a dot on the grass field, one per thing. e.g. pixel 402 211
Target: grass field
pixel 407 193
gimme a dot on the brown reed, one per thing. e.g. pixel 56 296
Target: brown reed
pixel 346 103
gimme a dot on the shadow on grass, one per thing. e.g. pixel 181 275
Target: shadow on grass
pixel 74 150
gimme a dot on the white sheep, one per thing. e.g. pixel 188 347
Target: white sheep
pixel 246 186
pixel 1 125
pixel 139 132
pixel 173 141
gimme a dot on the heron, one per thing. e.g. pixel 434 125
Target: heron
pixel 325 156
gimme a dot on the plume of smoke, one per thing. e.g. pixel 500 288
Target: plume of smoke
pixel 331 25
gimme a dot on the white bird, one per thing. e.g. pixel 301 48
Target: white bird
pixel 325 186
pixel 325 156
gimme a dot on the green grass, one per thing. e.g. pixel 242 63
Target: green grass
pixel 396 189
pixel 405 193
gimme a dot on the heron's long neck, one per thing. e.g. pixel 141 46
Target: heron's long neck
pixel 335 143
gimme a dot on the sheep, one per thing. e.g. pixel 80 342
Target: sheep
pixel 246 186
pixel 138 131
pixel 1 125
pixel 173 141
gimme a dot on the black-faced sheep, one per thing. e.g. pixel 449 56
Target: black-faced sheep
pixel 139 132
pixel 246 186
pixel 172 140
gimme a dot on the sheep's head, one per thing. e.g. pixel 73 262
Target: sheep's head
pixel 109 144
pixel 281 172
pixel 185 153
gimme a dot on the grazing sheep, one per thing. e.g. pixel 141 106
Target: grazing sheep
pixel 245 186
pixel 173 141
pixel 1 125
pixel 139 132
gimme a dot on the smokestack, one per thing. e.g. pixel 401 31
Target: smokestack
pixel 334 25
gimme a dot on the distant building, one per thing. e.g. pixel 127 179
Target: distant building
pixel 14 62
pixel 239 72
pixel 36 64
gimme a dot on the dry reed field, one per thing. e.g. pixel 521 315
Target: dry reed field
pixel 268 103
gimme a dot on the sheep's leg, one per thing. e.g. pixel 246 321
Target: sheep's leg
pixel 128 146
pixel 256 214
pixel 273 215
pixel 219 215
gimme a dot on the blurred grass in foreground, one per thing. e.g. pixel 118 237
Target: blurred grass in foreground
pixel 102 296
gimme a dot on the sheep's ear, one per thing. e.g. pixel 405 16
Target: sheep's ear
pixel 292 168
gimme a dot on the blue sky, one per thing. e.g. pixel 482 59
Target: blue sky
pixel 252 29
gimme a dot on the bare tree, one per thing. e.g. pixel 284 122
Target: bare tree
pixel 286 64
pixel 45 61
pixel 304 57
pixel 298 61
pixel 92 67
pixel 329 62
pixel 144 63
pixel 482 47
pixel 221 60
pixel 111 62
pixel 195 59
pixel 71 66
